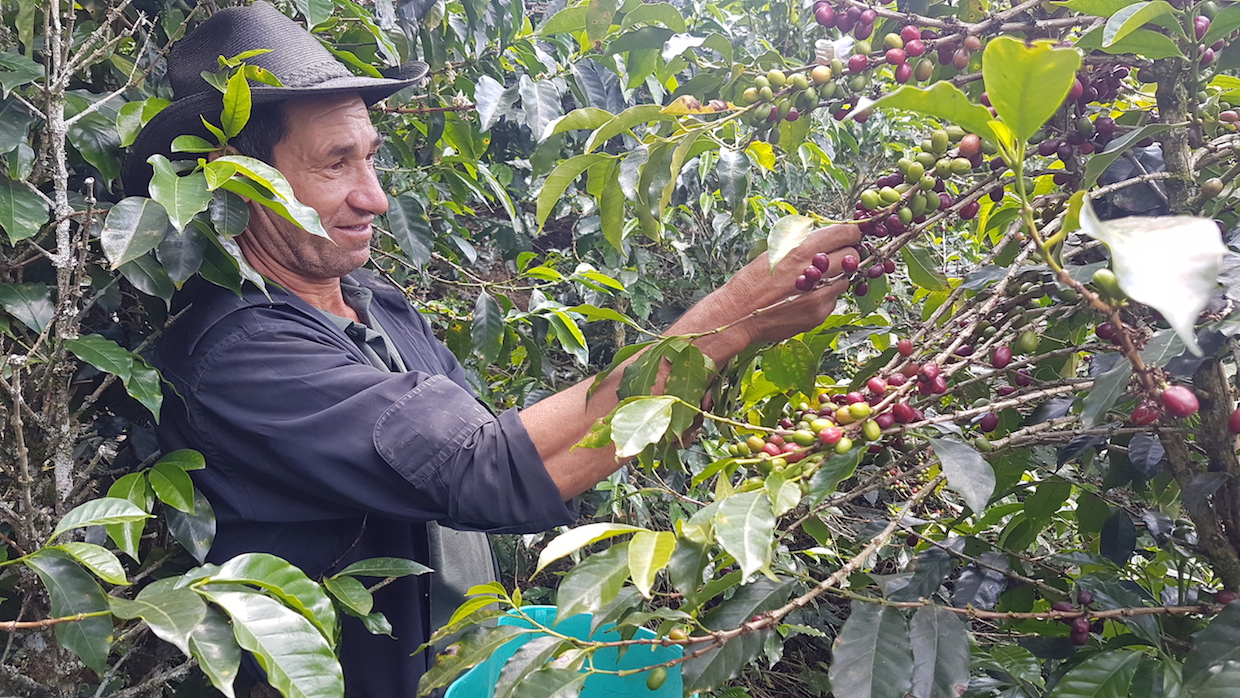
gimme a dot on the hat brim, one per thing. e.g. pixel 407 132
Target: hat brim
pixel 183 117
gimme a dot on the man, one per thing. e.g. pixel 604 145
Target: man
pixel 334 425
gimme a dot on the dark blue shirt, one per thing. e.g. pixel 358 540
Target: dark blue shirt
pixel 315 455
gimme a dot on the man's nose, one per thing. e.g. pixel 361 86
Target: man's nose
pixel 367 194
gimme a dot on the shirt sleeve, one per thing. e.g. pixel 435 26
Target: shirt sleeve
pixel 297 426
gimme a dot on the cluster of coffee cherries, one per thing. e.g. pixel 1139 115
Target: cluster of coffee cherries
pixel 778 96
pixel 1080 625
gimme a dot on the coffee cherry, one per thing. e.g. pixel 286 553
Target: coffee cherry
pixel 861 289
pixel 876 385
pixel 905 347
pixel 1022 378
pixel 910 369
pixel 930 371
pixel 657 677
pixel 960 59
pixel 849 264
pixel 755 443
pixel 1233 422
pixel 821 261
pixel 803 284
pixel 1144 415
pixel 1108 284
pixel 871 430
pixel 1063 606
pixel 858 63
pixel 1212 187
pixel 904 73
pixel 885 420
pixel 964 351
pixel 1084 597
pixel 868 16
pixel 813 273
pixel 830 435
pixel 1201 25
pixel 896 380
pixel 678 634
pixel 1180 401
pixel 1229 116
pixel 825 15
pixel 1027 342
pixel 1080 624
pixel 1001 357
pixel 989 422
pixel 972 43
pixel 1225 597
pixel 1005 390
pixel 924 70
pixel 938 385
pixel 896 56
pixel 1105 331
pixel 903 413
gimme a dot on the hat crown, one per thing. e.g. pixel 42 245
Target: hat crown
pixel 295 57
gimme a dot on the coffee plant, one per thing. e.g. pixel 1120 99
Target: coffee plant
pixel 1006 466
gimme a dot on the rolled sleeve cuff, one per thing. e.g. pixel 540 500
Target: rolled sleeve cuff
pixel 485 470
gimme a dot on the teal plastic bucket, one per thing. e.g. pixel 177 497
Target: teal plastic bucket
pixel 479 682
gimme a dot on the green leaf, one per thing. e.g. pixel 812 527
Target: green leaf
pixel 786 235
pixel 192 144
pixel 196 532
pixel 284 580
pixel 834 470
pixel 563 175
pixel 625 121
pixel 15 122
pixel 22 210
pixel 649 552
pixel 173 486
pixel 473 649
pixel 583 118
pixel 384 567
pixel 529 658
pixel 718 665
pixel 132 228
pixel 1027 83
pixel 733 173
pixel 1170 263
pixel 640 422
pixel 789 365
pixel 1097 8
pixel 1101 161
pixel 575 539
pixel 134 488
pixel 1146 43
pixel 591 585
pixel 967 472
pixel 181 254
pixel 599 14
pixel 229 213
pixel 237 104
pixel 549 682
pixel 1047 498
pixel 298 661
pixel 172 613
pixel 1107 389
pixel 1224 23
pixel 17 70
pixel 540 100
pixel 745 527
pixel 95 558
pixel 784 494
pixel 73 591
pixel 922 269
pixel 102 353
pixel 1103 675
pixel 487 329
pixel 218 654
pixel 31 304
pixel 1221 684
pixel 872 657
pixel 488 100
pixel 572 19
pixel 316 12
pixel 1213 646
pixel 185 459
pixel 144 385
pixel 1118 539
pixel 284 202
pixel 661 12
pixel 99 512
pixel 940 653
pixel 1133 17
pixel 350 592
pixel 411 228
pixel 942 100
pixel 95 138
pixel 182 197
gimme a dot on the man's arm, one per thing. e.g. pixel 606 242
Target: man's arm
pixel 558 422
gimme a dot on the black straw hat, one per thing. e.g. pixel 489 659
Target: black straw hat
pixel 304 67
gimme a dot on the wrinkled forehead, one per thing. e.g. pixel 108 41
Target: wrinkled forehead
pixel 336 124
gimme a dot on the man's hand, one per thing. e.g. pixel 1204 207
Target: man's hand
pixel 755 287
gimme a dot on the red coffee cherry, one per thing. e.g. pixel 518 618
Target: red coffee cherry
pixel 1144 415
pixel 903 413
pixel 1233 422
pixel 989 422
pixel 1180 401
pixel 905 347
pixel 849 264
pixel 822 261
pixel 1001 357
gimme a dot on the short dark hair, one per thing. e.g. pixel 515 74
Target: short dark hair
pixel 265 129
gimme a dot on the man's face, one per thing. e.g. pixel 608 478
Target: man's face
pixel 327 155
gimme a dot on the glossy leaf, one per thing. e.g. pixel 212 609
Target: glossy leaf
pixel 265 185
pixel 528 658
pixel 940 653
pixel 550 682
pixel 967 472
pixel 182 196
pixel 1221 684
pixel 649 552
pixel 173 486
pixel 789 364
pixel 143 385
pixel 922 269
pixel 351 593
pixel 134 488
pixel 297 660
pixel 1103 675
pixel 785 236
pixel 132 228
pixel 31 304
pixel 557 182
pixel 1107 390
pixel 196 532
pixel 872 657
pixel 181 254
pixel 487 329
pixel 219 656
pixel 99 512
pixel 171 612
pixel 229 213
pixel 599 14
pixel 72 591
pixel 97 559
pixel 1027 83
pixel 1217 644
pixel 577 538
pixel 102 353
pixel 593 583
pixel 22 210
pixel 718 665
pixel 1101 161
pixel 1170 263
pixel 384 567
pixel 472 650
pixel 1133 17
pixel 283 580
pixel 237 104
pixel 410 227
pixel 745 527
pixel 944 101
pixel 640 422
